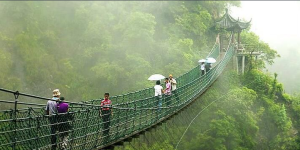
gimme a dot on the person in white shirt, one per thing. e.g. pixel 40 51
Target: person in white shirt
pixel 173 82
pixel 202 68
pixel 158 89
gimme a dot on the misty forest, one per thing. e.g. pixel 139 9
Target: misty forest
pixel 86 49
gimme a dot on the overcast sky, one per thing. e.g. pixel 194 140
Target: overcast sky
pixel 278 24
pixel 275 22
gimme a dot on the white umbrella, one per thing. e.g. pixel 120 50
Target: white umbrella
pixel 210 60
pixel 201 60
pixel 156 77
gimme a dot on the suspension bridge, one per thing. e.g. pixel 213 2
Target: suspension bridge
pixel 133 113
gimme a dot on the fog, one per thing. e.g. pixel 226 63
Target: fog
pixel 277 23
pixel 86 49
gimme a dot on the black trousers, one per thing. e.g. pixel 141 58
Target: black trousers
pixel 106 123
pixel 202 72
pixel 53 128
pixel 207 69
pixel 63 125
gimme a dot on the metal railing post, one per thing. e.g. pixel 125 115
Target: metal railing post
pixel 16 94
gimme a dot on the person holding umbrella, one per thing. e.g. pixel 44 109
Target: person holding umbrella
pixel 209 62
pixel 207 67
pixel 202 67
pixel 158 89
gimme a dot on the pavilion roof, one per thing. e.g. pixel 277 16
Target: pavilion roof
pixel 229 23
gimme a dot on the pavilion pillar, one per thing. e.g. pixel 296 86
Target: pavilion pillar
pixel 239 39
pixel 236 62
pixel 232 38
pixel 221 41
pixel 243 64
pixel 218 41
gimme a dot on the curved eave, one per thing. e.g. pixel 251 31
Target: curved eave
pixel 226 19
pixel 243 25
pixel 227 22
pixel 233 27
pixel 230 25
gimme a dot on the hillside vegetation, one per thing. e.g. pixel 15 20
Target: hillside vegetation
pixel 88 48
pixel 237 113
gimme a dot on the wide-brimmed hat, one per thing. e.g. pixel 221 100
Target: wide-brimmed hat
pixel 56 92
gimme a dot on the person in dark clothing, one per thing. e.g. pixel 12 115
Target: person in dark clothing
pixel 63 126
pixel 207 67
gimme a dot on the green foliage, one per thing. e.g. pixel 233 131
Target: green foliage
pixel 245 117
pixel 88 48
pixel 241 118
pixel 253 43
pixel 274 120
pixel 258 81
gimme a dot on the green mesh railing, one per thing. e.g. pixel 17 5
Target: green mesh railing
pixel 134 112
pixel 215 52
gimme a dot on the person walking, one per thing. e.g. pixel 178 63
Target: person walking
pixel 167 92
pixel 105 112
pixel 207 67
pixel 51 110
pixel 173 88
pixel 158 90
pixel 202 67
pixel 63 126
